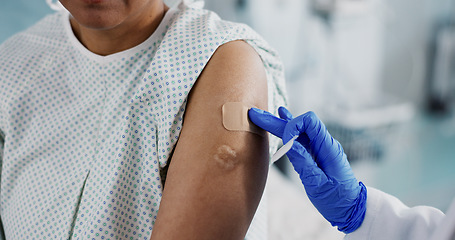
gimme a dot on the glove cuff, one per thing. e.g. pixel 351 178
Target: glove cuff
pixel 358 214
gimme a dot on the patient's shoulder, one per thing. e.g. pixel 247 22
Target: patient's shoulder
pixel 236 70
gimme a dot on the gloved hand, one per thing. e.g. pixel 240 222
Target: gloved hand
pixel 321 164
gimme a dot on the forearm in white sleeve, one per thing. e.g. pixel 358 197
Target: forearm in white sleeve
pixel 388 218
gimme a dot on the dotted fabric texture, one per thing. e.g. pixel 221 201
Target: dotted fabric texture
pixel 84 138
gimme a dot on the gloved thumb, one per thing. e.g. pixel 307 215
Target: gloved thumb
pixel 326 151
pixel 267 121
pixel 284 113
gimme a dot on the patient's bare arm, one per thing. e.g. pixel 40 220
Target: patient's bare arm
pixel 216 177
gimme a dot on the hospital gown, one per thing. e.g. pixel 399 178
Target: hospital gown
pixel 85 139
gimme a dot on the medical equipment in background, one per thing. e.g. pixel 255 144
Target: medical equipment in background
pixel 332 51
pixel 359 113
pixel 280 23
pixel 326 8
pixel 442 71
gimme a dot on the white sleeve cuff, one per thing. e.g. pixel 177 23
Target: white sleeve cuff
pixel 374 200
pixel 387 217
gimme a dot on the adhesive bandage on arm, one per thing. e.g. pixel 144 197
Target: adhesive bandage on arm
pixel 235 118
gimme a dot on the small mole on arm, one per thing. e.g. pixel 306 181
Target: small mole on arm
pixel 226 157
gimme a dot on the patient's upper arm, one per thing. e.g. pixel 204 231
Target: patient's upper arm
pixel 216 177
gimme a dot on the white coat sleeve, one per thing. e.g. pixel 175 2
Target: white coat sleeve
pixel 388 218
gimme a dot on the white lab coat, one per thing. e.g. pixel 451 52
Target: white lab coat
pixel 388 218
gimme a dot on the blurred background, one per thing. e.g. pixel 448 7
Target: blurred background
pixel 379 73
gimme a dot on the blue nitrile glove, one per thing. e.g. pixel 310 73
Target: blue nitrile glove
pixel 321 164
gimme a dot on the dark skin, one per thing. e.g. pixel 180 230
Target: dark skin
pixel 216 177
pixel 110 26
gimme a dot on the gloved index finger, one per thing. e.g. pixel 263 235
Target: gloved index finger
pixel 267 121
